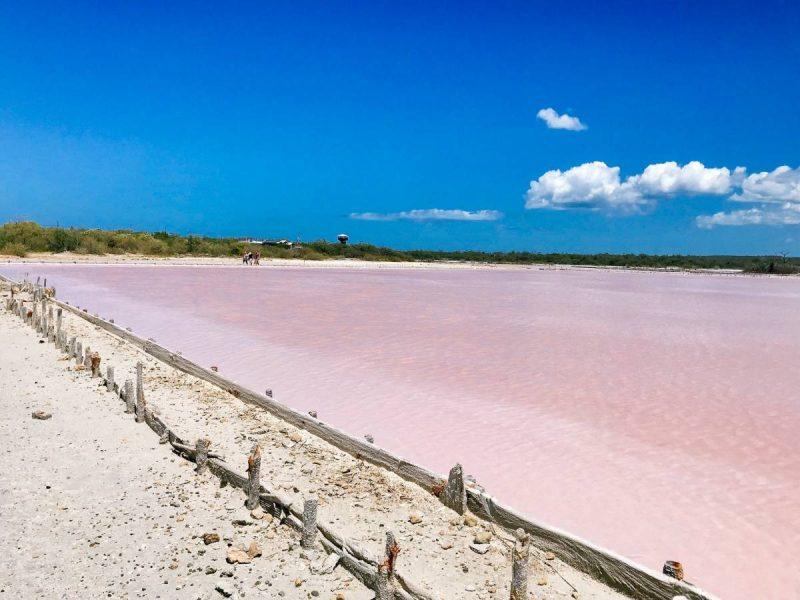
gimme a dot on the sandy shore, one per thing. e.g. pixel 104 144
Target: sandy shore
pixel 216 261
pixel 93 506
pixel 123 515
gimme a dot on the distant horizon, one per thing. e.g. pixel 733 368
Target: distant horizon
pixel 331 239
pixel 662 128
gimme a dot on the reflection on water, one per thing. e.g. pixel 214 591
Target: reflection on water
pixel 655 414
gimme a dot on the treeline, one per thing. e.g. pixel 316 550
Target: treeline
pixel 754 264
pixel 21 238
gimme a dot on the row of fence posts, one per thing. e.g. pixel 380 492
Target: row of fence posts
pixel 453 495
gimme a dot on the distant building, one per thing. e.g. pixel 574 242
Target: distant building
pixel 343 237
pixel 280 243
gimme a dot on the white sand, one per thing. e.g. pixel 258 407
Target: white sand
pixel 211 261
pixel 92 506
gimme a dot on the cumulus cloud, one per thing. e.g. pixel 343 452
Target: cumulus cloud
pixel 694 178
pixel 776 195
pixel 787 214
pixel 431 214
pixel 595 185
pixel 557 121
pixel 780 185
pixel 590 185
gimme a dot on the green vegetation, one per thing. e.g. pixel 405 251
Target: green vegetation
pixel 20 238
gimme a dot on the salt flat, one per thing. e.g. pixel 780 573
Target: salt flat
pixel 653 413
pixel 127 492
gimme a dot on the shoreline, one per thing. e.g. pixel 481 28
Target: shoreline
pixel 622 569
pixel 93 506
pixel 68 258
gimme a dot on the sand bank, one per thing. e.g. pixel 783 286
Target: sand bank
pixel 93 506
pixel 215 261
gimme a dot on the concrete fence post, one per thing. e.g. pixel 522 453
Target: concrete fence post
pixel 79 354
pixel 139 381
pixel 384 585
pixel 455 493
pixel 95 364
pixel 392 550
pixel 59 316
pixel 201 457
pixel 140 408
pixel 87 358
pixel 254 477
pixel 309 534
pixel 130 398
pixel 140 402
pixel 519 567
pixel 110 378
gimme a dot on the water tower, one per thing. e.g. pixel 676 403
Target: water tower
pixel 343 237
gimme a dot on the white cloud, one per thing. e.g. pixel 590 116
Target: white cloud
pixel 780 185
pixel 787 214
pixel 590 185
pixel 595 185
pixel 557 121
pixel 431 214
pixel 694 178
pixel 776 194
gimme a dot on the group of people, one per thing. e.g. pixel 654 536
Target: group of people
pixel 251 258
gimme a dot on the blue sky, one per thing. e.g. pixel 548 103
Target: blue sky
pixel 296 119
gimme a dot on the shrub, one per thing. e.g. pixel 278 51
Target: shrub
pixel 91 245
pixel 30 235
pixel 14 249
pixel 62 240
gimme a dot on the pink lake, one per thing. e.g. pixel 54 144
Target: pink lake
pixel 656 414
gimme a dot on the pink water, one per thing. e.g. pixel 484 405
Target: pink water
pixel 657 415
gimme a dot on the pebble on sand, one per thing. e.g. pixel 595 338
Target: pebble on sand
pixel 238 556
pixel 210 538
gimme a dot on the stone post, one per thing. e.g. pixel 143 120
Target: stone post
pixel 95 364
pixel 139 381
pixel 110 378
pixel 254 477
pixel 130 397
pixel 519 568
pixel 201 457
pixel 309 534
pixel 454 495
pixel 140 402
